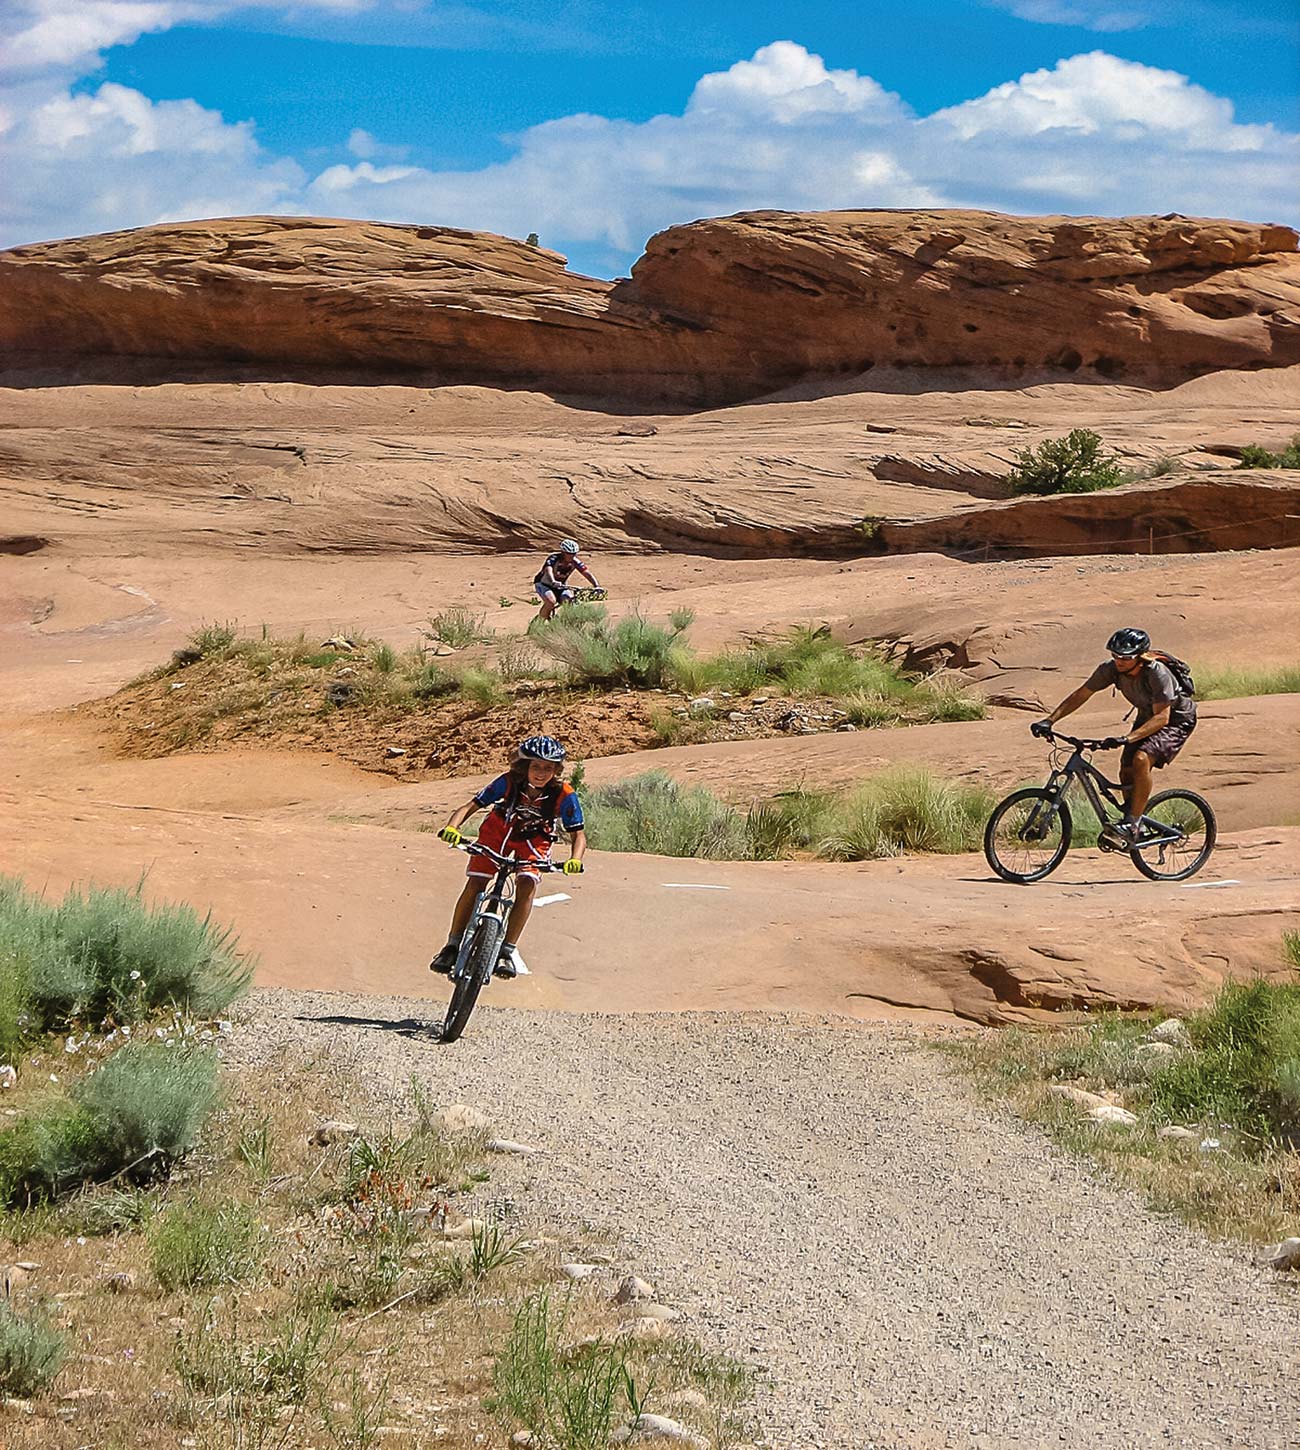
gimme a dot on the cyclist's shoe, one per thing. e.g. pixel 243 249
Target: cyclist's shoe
pixel 508 963
pixel 445 961
pixel 1118 836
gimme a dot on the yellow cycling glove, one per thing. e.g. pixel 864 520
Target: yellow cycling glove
pixel 451 835
pixel 572 867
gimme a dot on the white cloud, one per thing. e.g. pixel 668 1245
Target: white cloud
pixel 781 130
pixel 1099 15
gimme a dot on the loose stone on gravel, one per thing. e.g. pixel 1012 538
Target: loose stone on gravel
pixel 1173 1031
pixel 508 1145
pixel 579 1272
pixel 1285 1255
pixel 658 1427
pixel 461 1118
pixel 633 1288
pixel 332 1130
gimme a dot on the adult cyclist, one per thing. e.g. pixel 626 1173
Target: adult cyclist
pixel 551 581
pixel 1165 719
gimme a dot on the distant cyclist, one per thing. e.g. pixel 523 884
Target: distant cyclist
pixel 1166 717
pixel 551 581
pixel 524 806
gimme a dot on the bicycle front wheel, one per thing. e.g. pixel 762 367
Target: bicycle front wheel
pixel 1190 816
pixel 1027 836
pixel 481 957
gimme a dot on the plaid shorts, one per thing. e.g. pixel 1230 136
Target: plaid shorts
pixel 1162 746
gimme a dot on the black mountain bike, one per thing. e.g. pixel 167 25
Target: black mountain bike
pixel 481 944
pixel 1029 833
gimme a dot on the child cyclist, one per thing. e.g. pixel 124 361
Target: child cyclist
pixel 524 805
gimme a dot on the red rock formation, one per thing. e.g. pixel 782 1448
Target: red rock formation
pixel 714 311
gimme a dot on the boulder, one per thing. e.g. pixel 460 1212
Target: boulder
pixel 1172 1031
pixel 632 1289
pixel 1285 1255
pixel 461 1118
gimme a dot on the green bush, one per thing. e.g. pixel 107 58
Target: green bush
pixel 135 1116
pixel 1253 456
pixel 457 627
pixel 901 811
pixel 200 1242
pixel 1245 1066
pixel 1073 464
pixel 32 1351
pixel 632 652
pixel 482 686
pixel 430 682
pixel 103 953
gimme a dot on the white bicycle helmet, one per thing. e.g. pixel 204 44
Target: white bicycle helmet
pixel 568 546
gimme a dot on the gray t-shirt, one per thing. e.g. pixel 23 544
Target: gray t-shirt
pixel 1151 688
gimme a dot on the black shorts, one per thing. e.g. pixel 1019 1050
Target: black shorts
pixel 1163 745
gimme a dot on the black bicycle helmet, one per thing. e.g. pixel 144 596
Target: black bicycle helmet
pixel 542 747
pixel 1129 643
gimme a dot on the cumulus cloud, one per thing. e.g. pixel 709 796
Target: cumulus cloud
pixel 780 130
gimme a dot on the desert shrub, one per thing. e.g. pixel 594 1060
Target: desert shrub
pixel 103 952
pixel 1073 464
pixel 384 659
pixel 1230 683
pixel 32 1351
pixel 1253 456
pixel 214 640
pixel 457 627
pixel 281 1366
pixel 901 811
pixel 430 681
pixel 1245 1066
pixel 200 1242
pixel 652 813
pixel 632 652
pixel 567 1399
pixel 946 700
pixel 518 658
pixel 482 686
pixel 136 1115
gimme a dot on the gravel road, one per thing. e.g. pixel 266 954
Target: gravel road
pixel 830 1201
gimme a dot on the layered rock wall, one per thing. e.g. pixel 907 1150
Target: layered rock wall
pixel 715 311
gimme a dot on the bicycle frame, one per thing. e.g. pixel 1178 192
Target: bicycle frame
pixel 495 899
pixel 1095 788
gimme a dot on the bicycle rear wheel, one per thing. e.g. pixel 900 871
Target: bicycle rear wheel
pixel 1027 836
pixel 1190 815
pixel 484 944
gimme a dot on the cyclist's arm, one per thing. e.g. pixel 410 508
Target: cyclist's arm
pixel 547 578
pixel 461 814
pixel 586 574
pixel 578 844
pixel 1158 721
pixel 1070 704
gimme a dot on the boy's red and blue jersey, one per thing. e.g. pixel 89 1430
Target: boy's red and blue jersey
pixel 528 815
pixel 560 565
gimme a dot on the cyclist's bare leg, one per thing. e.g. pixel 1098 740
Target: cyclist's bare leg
pixel 549 602
pixel 525 890
pixel 1136 780
pixel 464 907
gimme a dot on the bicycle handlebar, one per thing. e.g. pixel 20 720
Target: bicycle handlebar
pixel 477 848
pixel 1076 742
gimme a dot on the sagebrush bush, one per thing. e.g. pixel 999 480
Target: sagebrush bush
pixel 104 953
pixel 202 1242
pixel 214 639
pixel 632 652
pixel 1073 464
pixel 136 1115
pixel 457 627
pixel 32 1351
pixel 1235 683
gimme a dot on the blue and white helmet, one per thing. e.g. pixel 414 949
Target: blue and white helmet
pixel 568 546
pixel 541 747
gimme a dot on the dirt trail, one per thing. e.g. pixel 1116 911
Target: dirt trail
pixel 913 1269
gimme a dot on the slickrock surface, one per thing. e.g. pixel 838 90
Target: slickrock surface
pixel 716 310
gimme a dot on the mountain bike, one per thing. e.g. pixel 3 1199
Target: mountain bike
pixel 1029 833
pixel 481 943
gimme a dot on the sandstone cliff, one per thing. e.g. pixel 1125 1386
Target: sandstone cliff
pixel 715 311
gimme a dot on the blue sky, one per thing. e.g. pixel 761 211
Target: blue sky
pixel 462 114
